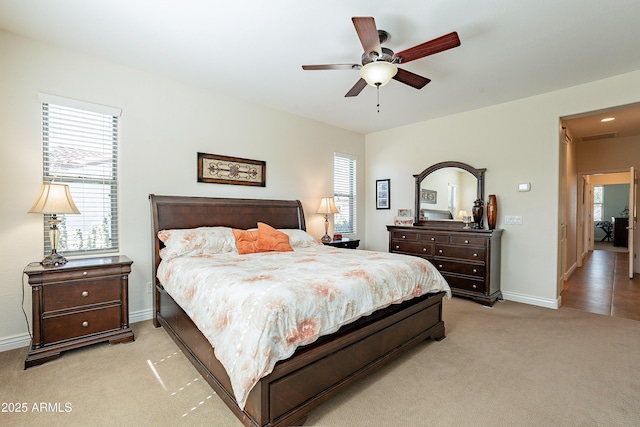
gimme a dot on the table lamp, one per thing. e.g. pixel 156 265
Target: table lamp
pixel 54 199
pixel 327 206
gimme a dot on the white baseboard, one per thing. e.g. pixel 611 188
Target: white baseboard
pixel 16 341
pixel 24 340
pixel 531 300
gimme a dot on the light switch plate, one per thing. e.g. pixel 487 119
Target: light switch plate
pixel 524 186
pixel 513 220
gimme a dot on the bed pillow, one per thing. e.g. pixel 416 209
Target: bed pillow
pixel 270 239
pixel 246 241
pixel 196 241
pixel 300 238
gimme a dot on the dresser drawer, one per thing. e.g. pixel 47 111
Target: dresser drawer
pixel 412 248
pixel 475 270
pixel 81 323
pixel 466 240
pixel 460 252
pixel 466 284
pixel 434 238
pixel 407 236
pixel 78 293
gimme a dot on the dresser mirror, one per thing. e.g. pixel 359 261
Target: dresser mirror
pixel 446 190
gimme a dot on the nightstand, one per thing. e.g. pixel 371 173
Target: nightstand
pixel 344 243
pixel 82 302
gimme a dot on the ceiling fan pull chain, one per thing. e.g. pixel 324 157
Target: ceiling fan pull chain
pixel 378 95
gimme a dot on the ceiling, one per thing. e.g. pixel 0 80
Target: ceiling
pixel 254 50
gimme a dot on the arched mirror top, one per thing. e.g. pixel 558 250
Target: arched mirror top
pixel 446 189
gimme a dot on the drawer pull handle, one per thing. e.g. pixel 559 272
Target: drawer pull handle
pixel 474 286
pixel 397 247
pixel 439 265
pixel 404 237
pixel 433 238
pixel 466 241
pixel 424 249
pixel 440 250
pixel 85 293
pixel 85 324
pixel 475 255
pixel 475 271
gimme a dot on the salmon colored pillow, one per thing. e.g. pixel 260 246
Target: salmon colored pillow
pixel 270 239
pixel 246 241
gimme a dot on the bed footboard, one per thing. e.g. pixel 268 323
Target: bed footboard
pixel 316 372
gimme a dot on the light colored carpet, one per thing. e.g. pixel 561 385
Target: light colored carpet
pixel 510 365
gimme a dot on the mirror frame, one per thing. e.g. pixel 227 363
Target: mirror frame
pixel 478 173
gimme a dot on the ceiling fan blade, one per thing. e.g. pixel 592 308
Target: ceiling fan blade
pixel 332 67
pixel 411 79
pixel 357 88
pixel 368 34
pixel 448 41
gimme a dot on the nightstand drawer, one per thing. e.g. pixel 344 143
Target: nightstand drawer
pixel 77 324
pixel 78 293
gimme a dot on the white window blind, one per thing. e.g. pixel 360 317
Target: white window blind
pixel 344 193
pixel 80 149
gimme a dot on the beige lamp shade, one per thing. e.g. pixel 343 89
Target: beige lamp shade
pixel 378 73
pixel 54 199
pixel 327 206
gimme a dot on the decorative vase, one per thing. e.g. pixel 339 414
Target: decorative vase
pixel 478 213
pixel 492 211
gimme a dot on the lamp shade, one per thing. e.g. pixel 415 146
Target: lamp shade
pixel 378 73
pixel 54 199
pixel 327 206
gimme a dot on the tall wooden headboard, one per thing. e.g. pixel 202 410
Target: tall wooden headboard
pixel 178 212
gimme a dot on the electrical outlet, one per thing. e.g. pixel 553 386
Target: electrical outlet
pixel 149 287
pixel 513 220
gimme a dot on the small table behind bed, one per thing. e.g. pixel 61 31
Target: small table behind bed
pixel 315 372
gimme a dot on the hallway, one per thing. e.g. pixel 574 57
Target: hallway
pixel 602 286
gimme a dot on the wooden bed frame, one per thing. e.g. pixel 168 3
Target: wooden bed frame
pixel 315 372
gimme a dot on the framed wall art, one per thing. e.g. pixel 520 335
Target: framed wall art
pixel 383 194
pixel 216 169
pixel 429 196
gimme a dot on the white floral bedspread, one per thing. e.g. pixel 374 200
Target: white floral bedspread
pixel 256 309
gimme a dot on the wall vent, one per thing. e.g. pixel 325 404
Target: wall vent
pixel 599 136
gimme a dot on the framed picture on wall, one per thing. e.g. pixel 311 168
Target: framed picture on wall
pixel 383 194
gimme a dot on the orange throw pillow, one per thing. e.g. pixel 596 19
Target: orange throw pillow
pixel 246 241
pixel 270 239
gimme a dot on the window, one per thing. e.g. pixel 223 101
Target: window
pixel 80 149
pixel 344 193
pixel 598 202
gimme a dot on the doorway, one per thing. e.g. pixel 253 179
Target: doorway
pixel 589 144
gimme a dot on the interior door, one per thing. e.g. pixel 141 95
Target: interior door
pixel 631 244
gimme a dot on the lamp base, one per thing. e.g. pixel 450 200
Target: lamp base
pixel 53 259
pixel 326 239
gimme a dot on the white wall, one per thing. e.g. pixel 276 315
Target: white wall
pixel 163 125
pixel 517 142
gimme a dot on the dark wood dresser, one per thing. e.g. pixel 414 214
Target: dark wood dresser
pixel 620 232
pixel 468 259
pixel 82 302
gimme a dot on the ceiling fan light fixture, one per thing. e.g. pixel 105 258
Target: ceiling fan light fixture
pixel 378 73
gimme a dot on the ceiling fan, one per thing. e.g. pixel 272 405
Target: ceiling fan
pixel 379 64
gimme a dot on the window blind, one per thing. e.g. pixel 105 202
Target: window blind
pixel 80 149
pixel 344 188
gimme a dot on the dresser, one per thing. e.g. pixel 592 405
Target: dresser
pixel 82 302
pixel 620 231
pixel 468 259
